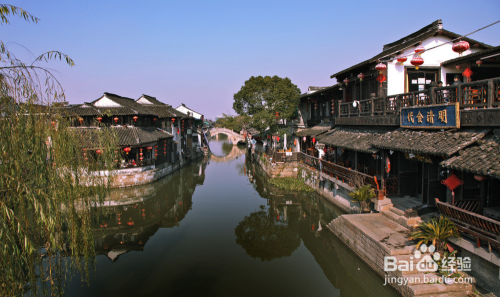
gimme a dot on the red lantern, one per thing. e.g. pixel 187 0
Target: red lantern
pixel 278 138
pixel 314 140
pixel 460 47
pixel 140 154
pixel 419 50
pixel 53 124
pixel 381 67
pixel 98 152
pixel 99 119
pixel 277 115
pixel 417 61
pixel 295 142
pixel 135 118
pixel 479 62
pixel 149 148
pixel 126 150
pixel 116 119
pixel 402 59
pixel 304 139
pixel 154 120
pixel 80 120
pixel 173 120
pixel 346 81
pixel 458 67
pixel 361 76
pixel 178 131
pixel 268 136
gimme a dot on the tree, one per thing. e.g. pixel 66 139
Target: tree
pixel 234 123
pixel 48 183
pixel 262 98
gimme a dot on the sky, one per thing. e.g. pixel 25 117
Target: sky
pixel 200 53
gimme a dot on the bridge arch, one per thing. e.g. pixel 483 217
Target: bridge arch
pixel 232 136
pixel 233 154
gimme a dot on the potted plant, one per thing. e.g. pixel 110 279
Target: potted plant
pixel 436 230
pixel 363 195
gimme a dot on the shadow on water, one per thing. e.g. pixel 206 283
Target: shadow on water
pixel 219 229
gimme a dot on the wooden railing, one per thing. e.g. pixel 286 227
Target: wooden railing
pixel 478 94
pixel 469 205
pixel 478 226
pixel 311 161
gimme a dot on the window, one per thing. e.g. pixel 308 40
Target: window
pixel 419 80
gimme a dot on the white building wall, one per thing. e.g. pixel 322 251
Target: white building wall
pixel 185 110
pixel 433 58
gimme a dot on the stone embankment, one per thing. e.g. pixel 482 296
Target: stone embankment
pixel 374 236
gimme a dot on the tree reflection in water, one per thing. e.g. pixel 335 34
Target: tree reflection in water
pixel 264 236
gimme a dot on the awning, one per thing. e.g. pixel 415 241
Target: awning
pixel 481 159
pixel 440 143
pixel 356 139
pixel 314 131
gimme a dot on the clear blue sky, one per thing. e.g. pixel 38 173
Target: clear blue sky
pixel 201 52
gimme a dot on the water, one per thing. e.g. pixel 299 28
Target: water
pixel 215 228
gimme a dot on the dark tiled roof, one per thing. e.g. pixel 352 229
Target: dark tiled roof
pixel 466 58
pixel 128 107
pixel 409 41
pixel 129 136
pixel 152 100
pixel 139 135
pixel 314 131
pixel 426 142
pixel 356 139
pixel 326 89
pixel 482 158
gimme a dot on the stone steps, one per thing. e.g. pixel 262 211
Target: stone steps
pixel 375 236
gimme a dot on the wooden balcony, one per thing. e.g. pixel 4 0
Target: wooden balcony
pixel 476 99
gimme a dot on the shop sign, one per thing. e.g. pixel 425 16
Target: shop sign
pixel 431 116
pixel 418 157
pixel 189 131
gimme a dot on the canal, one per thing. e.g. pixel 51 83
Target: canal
pixel 216 228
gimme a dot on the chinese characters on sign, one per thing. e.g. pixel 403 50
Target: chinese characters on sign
pixel 433 116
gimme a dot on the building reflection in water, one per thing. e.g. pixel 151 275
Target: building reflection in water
pixel 288 219
pixel 129 217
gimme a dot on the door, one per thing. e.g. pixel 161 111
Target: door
pixel 419 80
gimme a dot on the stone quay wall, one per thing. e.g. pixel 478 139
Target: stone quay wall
pixel 335 191
pixel 131 177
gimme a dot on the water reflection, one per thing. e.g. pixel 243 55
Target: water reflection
pixel 129 217
pixel 263 235
pixel 220 229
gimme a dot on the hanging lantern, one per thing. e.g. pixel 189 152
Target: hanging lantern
pixel 127 150
pixel 140 149
pixel 140 154
pixel 304 139
pixel 402 59
pixel 156 155
pixel 178 131
pixel 381 78
pixel 419 50
pixel 173 120
pixel 154 120
pixel 360 76
pixel 99 119
pixel 295 142
pixel 278 138
pixel 315 104
pixel 149 148
pixel 479 62
pixel 381 67
pixel 417 61
pixel 314 140
pixel 98 152
pixel 80 120
pixel 346 81
pixel 458 66
pixel 277 115
pixel 268 136
pixel 135 118
pixel 460 47
pixel 116 119
pixel 141 158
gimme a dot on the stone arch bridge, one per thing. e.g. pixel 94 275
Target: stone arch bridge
pixel 233 136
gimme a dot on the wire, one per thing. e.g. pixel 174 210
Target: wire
pixel 451 41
